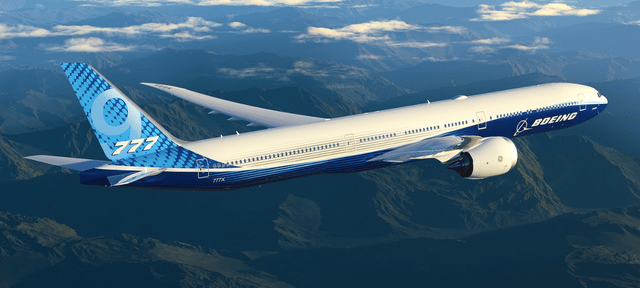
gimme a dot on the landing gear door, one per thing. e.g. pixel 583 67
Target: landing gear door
pixel 581 100
pixel 482 121
pixel 202 165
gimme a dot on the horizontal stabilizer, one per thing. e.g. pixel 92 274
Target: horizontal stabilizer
pixel 77 164
pixel 125 179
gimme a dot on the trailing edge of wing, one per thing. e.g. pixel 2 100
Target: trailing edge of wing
pixel 77 164
pixel 441 148
pixel 255 115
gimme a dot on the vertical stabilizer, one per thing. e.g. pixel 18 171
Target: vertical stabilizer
pixel 122 128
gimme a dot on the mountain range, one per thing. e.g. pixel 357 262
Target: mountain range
pixel 599 248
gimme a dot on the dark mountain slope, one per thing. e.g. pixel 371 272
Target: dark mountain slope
pixel 38 252
pixel 598 249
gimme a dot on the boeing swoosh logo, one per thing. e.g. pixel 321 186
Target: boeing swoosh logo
pixel 521 127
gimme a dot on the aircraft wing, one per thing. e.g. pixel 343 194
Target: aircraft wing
pixel 441 148
pixel 237 111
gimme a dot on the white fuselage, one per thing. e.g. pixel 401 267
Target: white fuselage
pixel 387 129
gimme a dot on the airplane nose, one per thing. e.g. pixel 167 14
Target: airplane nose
pixel 603 103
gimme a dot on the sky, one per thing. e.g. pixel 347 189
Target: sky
pixel 328 3
pixel 87 38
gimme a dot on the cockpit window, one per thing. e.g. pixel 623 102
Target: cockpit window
pixel 599 95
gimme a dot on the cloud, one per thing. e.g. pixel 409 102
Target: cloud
pixel 491 41
pixel 261 71
pixel 561 9
pixel 265 2
pixel 91 45
pixel 186 30
pixel 538 44
pixel 237 25
pixel 22 31
pixel 143 3
pixel 196 24
pixel 417 44
pixel 155 3
pixel 243 28
pixel 186 36
pixel 482 49
pixel 7 58
pixel 371 31
pixel 370 57
pixel 518 10
pixel 363 6
pixel 435 59
pixel 446 29
pixel 307 68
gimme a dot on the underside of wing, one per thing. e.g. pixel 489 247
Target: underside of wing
pixel 441 148
pixel 237 111
pixel 472 157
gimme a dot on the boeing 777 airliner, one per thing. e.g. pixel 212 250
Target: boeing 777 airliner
pixel 470 134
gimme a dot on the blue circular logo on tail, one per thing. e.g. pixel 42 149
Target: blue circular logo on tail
pixel 114 120
pixel 115 112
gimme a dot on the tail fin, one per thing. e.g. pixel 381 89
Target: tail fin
pixel 122 128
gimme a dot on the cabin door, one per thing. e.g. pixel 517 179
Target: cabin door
pixel 482 121
pixel 349 143
pixel 582 105
pixel 202 165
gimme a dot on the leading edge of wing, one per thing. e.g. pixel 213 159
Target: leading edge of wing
pixel 255 115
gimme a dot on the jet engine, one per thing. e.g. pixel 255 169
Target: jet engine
pixel 491 157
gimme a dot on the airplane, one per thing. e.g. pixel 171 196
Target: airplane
pixel 469 134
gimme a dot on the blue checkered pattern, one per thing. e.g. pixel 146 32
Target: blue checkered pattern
pixel 115 118
pixel 175 157
pixel 115 112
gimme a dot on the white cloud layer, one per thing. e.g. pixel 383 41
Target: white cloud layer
pixel 491 41
pixel 482 49
pixel 419 45
pixel 300 67
pixel 192 26
pixel 91 45
pixel 22 31
pixel 518 10
pixel 538 44
pixel 155 3
pixel 243 28
pixel 259 71
pixel 374 31
pixel 370 57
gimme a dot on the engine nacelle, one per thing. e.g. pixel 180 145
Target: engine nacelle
pixel 491 157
